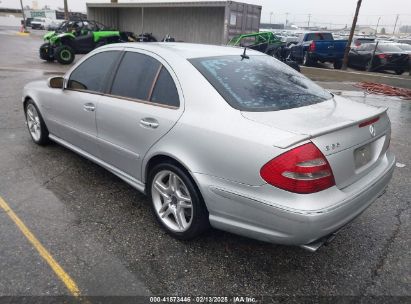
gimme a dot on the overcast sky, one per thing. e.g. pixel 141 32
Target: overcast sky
pixel 337 12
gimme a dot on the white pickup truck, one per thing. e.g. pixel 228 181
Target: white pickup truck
pixel 40 23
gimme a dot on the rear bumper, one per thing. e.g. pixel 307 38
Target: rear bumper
pixel 239 213
pixel 325 57
pixel 394 66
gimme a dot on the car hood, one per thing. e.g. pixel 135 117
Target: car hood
pixel 315 120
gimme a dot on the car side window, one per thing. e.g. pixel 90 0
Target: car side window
pixel 135 76
pixel 91 74
pixel 165 90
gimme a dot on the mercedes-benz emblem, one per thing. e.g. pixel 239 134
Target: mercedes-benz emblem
pixel 372 130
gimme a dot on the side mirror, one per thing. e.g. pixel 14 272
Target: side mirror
pixel 56 82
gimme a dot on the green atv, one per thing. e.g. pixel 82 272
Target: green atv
pixel 265 42
pixel 78 37
pixel 268 43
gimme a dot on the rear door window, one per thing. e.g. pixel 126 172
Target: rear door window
pixel 135 76
pixel 260 83
pixel 92 73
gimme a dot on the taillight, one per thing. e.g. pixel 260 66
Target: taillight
pixel 382 56
pixel 312 47
pixel 369 122
pixel 301 170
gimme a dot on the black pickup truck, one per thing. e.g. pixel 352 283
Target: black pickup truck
pixel 318 46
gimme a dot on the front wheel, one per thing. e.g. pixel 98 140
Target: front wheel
pixel 64 54
pixel 176 201
pixel 35 123
pixel 399 72
pixel 45 52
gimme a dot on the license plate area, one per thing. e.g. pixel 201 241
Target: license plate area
pixel 363 155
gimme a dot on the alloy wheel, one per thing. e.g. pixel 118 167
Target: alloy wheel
pixel 172 201
pixel 33 122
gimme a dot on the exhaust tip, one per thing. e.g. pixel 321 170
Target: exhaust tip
pixel 324 241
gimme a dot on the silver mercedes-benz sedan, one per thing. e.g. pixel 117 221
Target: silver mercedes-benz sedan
pixel 219 136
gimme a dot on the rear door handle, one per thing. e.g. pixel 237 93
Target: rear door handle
pixel 89 107
pixel 149 122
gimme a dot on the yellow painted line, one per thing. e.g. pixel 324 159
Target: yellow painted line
pixel 22 34
pixel 59 271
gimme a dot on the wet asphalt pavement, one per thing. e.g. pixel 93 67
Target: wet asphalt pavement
pixel 103 234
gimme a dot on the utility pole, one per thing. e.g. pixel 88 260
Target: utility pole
pixel 24 16
pixel 309 19
pixel 286 20
pixel 66 14
pixel 271 16
pixel 376 28
pixel 395 25
pixel 353 26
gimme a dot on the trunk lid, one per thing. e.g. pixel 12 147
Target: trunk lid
pixel 334 127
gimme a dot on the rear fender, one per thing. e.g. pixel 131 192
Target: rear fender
pixel 97 36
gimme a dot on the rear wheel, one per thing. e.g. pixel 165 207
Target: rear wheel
pixel 100 43
pixel 338 65
pixel 399 72
pixel 177 203
pixel 294 65
pixel 35 123
pixel 64 54
pixel 307 60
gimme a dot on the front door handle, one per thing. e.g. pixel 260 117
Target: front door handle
pixel 89 107
pixel 149 123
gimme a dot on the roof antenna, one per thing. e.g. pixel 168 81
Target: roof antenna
pixel 244 55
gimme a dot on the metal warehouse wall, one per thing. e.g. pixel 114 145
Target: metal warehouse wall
pixel 199 22
pixel 189 24
pixel 107 16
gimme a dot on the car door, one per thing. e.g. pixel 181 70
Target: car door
pixel 74 111
pixel 144 103
pixel 356 56
pixel 365 55
pixel 353 57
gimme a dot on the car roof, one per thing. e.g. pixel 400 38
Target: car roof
pixel 185 50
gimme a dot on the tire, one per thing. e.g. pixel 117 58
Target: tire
pixel 64 54
pixel 100 43
pixel 399 72
pixel 306 60
pixel 170 188
pixel 338 65
pixel 35 124
pixel 45 55
pixel 294 65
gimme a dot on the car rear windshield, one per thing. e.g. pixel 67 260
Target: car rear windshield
pixel 319 36
pixel 389 48
pixel 405 47
pixel 260 83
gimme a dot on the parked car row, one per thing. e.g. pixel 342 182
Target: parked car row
pixel 378 57
pixel 367 53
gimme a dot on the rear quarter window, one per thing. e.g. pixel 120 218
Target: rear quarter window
pixel 165 91
pixel 260 83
